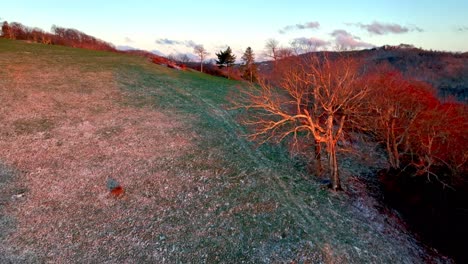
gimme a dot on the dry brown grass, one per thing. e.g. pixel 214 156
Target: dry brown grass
pixel 68 131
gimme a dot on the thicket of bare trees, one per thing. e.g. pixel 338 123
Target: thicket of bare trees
pixel 59 36
pixel 321 98
pixel 416 128
pixel 274 51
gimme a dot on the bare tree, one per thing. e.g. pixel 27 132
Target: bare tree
pixel 183 58
pixel 305 45
pixel 396 105
pixel 283 53
pixel 315 96
pixel 271 49
pixel 202 53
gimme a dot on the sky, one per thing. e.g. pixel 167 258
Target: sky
pixel 171 27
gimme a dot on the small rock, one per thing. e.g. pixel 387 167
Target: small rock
pixel 114 187
pixel 18 196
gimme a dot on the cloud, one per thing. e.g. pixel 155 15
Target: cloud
pixel 125 47
pixel 190 43
pixel 345 40
pixel 186 43
pixel 221 47
pixel 309 44
pixel 128 40
pixel 165 41
pixel 308 25
pixel 379 28
pixel 418 29
pixel 462 28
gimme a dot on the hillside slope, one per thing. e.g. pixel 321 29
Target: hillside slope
pixel 195 190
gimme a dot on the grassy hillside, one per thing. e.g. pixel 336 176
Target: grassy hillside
pixel 196 190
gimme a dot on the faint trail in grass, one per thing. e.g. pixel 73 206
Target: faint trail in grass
pixel 260 161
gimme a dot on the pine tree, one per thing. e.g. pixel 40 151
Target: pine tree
pixel 250 69
pixel 225 59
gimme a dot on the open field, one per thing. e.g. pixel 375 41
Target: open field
pixel 196 190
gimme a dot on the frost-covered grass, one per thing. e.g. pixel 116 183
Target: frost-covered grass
pixel 196 190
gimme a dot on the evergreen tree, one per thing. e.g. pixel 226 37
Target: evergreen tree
pixel 225 58
pixel 250 69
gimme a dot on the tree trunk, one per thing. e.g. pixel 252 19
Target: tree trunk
pixel 251 74
pixel 392 146
pixel 391 160
pixel 201 66
pixel 336 182
pixel 331 148
pixel 395 146
pixel 318 158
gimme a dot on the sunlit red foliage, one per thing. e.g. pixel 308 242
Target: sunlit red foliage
pixel 439 140
pixel 410 121
pixel 60 36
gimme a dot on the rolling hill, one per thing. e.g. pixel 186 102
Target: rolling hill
pixel 196 191
pixel 447 72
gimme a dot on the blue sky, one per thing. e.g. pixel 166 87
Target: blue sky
pixel 175 26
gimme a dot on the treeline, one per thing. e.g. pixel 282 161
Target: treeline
pixel 420 134
pixel 59 36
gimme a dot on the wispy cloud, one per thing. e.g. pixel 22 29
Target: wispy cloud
pixel 346 40
pixel 190 43
pixel 128 40
pixel 462 28
pixel 379 28
pixel 125 47
pixel 165 41
pixel 309 44
pixel 308 25
pixel 186 43
pixel 221 47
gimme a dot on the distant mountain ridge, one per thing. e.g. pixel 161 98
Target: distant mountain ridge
pixel 446 71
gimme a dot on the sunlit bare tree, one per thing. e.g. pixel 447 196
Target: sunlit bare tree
pixel 315 96
pixel 202 53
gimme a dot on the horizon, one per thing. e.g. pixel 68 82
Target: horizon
pixel 170 28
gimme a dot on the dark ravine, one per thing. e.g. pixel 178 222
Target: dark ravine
pixel 437 214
